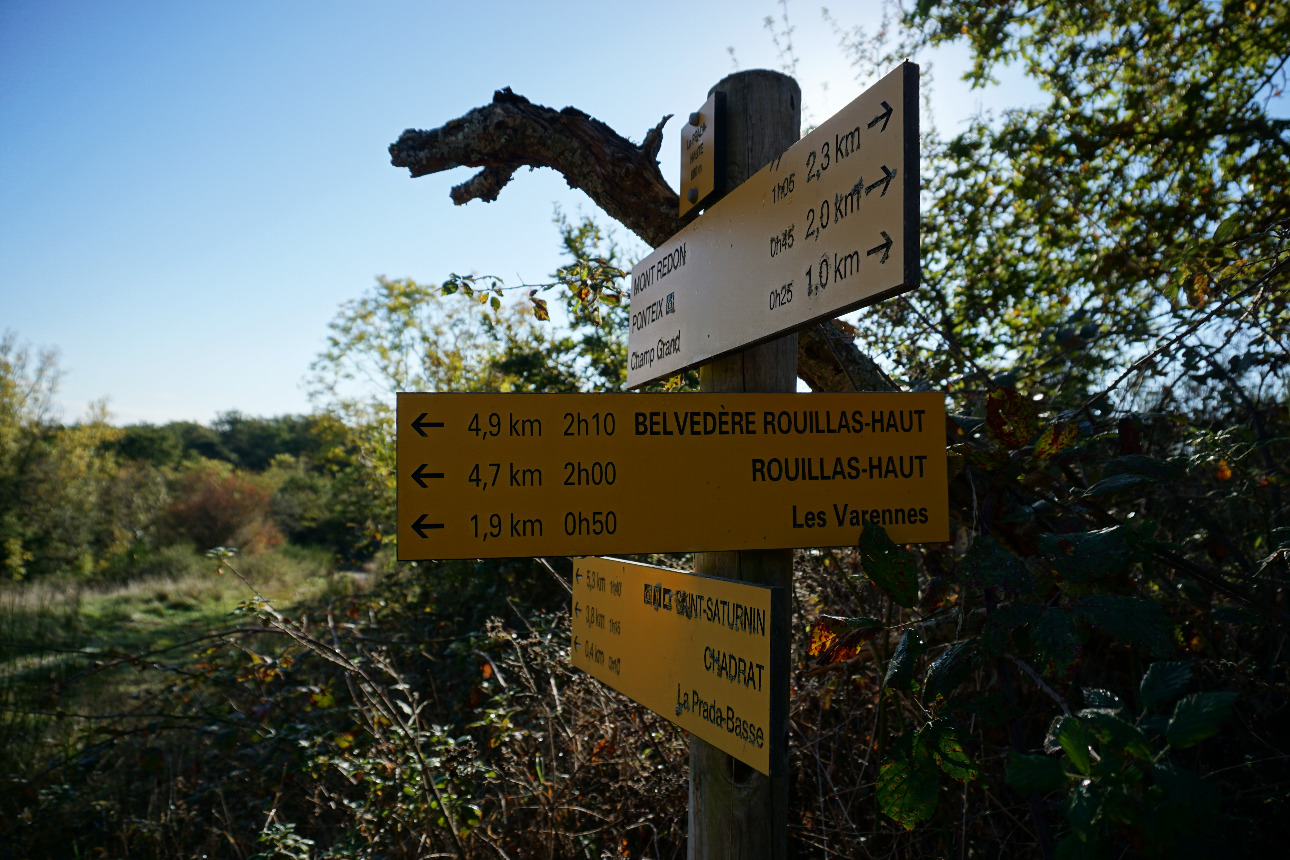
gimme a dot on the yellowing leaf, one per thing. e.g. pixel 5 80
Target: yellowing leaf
pixel 1055 437
pixel 835 640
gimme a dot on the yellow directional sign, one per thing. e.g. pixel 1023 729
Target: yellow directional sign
pixel 495 475
pixel 829 226
pixel 697 650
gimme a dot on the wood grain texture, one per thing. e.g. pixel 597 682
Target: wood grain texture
pixel 736 812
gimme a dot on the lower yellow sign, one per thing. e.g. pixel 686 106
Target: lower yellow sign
pixel 705 653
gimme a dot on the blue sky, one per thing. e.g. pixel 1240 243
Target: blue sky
pixel 189 191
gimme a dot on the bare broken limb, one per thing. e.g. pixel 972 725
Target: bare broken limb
pixel 621 178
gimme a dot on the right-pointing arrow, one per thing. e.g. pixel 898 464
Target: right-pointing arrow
pixel 885 248
pixel 883 117
pixel 885 182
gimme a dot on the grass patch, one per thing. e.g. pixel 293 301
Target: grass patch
pixel 72 651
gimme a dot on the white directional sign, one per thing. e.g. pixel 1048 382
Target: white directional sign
pixel 829 226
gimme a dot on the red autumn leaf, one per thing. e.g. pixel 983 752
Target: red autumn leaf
pixel 1012 417
pixel 836 640
pixel 1055 437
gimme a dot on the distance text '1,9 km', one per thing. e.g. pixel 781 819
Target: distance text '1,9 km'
pixel 498 475
pixel 830 225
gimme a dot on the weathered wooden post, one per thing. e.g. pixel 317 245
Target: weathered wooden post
pixel 736 812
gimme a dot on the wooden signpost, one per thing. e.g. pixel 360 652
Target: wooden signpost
pixel 828 226
pixel 740 473
pixel 709 665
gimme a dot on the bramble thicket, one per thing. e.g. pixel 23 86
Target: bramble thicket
pixel 1093 666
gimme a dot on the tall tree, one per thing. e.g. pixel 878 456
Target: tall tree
pixel 1060 236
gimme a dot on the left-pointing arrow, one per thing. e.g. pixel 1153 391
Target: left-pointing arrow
pixel 421 526
pixel 421 474
pixel 421 422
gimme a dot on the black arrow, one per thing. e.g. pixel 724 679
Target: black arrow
pixel 882 117
pixel 422 422
pixel 577 609
pixel 420 474
pixel 578 573
pixel 421 526
pixel 885 182
pixel 575 643
pixel 885 247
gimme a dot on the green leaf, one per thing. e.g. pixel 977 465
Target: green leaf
pixel 1083 807
pixel 1115 733
pixel 1225 229
pixel 1197 717
pixel 1088 556
pixel 990 564
pixel 1140 464
pixel 1004 621
pixel 1186 790
pixel 891 567
pixel 1103 700
pixel 1132 470
pixel 1134 620
pixel 1068 734
pixel 900 671
pixel 1115 484
pixel 1056 641
pixel 942 743
pixel 906 792
pixel 495 302
pixel 949 670
pixel 1163 682
pixel 1034 774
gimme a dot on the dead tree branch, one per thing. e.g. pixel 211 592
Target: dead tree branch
pixel 512 132
pixel 621 178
